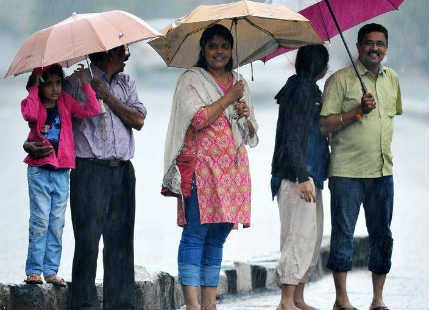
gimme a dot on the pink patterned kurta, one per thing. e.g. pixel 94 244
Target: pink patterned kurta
pixel 221 171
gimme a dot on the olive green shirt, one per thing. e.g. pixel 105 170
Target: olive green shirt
pixel 362 149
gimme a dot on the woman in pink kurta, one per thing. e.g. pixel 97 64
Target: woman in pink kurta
pixel 221 171
pixel 206 163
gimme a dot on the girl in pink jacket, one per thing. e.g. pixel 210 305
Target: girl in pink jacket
pixel 48 111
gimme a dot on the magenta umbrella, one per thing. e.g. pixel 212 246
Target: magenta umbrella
pixel 330 17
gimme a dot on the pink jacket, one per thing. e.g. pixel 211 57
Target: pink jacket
pixel 34 112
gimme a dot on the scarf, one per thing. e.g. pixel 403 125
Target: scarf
pixel 195 89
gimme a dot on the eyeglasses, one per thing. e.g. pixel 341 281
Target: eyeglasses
pixel 374 43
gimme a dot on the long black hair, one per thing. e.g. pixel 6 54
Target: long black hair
pixel 311 60
pixel 208 34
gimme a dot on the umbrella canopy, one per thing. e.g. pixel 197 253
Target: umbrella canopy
pixel 348 13
pixel 258 30
pixel 81 34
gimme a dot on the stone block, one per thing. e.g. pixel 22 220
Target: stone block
pixel 259 276
pixel 38 297
pixel 231 275
pixel 156 292
pixel 178 298
pixel 244 277
pixel 272 282
pixel 222 288
pixel 4 297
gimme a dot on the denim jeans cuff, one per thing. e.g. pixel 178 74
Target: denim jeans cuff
pixel 339 267
pixel 210 275
pixel 33 271
pixel 189 275
pixel 378 270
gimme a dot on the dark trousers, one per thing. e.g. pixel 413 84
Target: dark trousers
pixel 102 201
pixel 376 195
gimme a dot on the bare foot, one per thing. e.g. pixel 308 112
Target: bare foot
pixel 303 306
pixel 376 304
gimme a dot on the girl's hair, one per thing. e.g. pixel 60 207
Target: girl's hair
pixel 311 60
pixel 54 69
pixel 208 34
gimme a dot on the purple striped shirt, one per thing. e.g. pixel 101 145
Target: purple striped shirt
pixel 105 136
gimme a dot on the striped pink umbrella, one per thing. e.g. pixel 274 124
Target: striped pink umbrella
pixel 331 17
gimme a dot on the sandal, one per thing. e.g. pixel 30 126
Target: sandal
pixel 56 281
pixel 33 279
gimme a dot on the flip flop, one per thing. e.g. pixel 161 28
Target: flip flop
pixel 56 281
pixel 33 279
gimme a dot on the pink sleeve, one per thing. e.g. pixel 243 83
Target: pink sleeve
pixel 200 119
pixel 92 106
pixel 30 106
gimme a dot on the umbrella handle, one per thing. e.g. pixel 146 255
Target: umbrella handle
pixel 235 21
pixel 89 67
pixel 364 89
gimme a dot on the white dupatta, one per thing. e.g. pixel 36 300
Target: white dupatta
pixel 195 89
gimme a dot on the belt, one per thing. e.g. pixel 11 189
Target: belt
pixel 105 162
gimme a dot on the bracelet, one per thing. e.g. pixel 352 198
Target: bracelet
pixel 340 117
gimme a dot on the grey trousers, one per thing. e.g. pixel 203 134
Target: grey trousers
pixel 300 235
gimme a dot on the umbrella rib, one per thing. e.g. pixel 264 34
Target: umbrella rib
pixel 99 40
pixel 324 23
pixel 187 35
pixel 394 6
pixel 259 28
pixel 251 57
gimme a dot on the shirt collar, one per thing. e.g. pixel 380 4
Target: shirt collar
pixel 363 70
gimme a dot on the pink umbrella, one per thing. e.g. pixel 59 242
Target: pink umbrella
pixel 330 17
pixel 72 39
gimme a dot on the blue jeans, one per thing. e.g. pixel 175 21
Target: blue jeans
pixel 48 191
pixel 376 195
pixel 200 250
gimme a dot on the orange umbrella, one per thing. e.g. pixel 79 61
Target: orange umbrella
pixel 69 41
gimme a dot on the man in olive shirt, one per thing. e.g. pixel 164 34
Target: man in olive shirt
pixel 361 162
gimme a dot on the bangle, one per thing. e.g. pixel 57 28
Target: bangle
pixel 358 116
pixel 340 116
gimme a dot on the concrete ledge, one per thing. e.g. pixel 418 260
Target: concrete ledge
pixel 162 291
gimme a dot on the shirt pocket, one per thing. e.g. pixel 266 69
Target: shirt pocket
pixel 388 102
pixel 352 97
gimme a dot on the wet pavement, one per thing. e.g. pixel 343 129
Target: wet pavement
pixel 398 295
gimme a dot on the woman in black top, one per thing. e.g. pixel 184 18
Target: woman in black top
pixel 299 167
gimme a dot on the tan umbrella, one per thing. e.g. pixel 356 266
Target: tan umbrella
pixel 260 28
pixel 69 41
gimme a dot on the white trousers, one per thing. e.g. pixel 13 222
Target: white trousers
pixel 300 235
